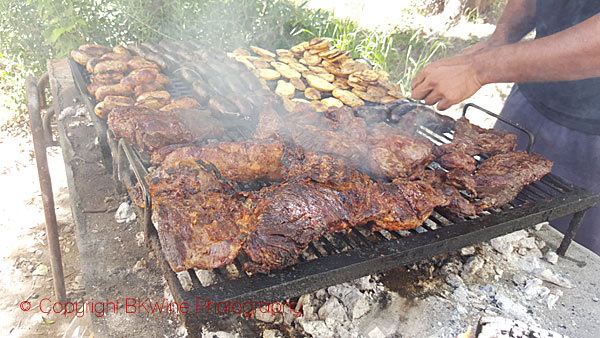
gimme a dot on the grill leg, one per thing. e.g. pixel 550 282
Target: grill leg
pixel 39 146
pixel 571 232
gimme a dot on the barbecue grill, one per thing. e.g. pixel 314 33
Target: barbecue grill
pixel 337 257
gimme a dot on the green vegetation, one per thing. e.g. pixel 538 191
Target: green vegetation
pixel 32 31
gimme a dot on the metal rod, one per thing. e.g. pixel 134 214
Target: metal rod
pixel 39 147
pixel 571 232
pixel 505 120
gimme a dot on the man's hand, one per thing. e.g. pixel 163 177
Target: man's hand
pixel 447 81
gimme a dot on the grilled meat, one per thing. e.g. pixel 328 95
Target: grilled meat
pixel 103 108
pixel 110 66
pixel 118 89
pixel 456 160
pixel 474 140
pixel 458 205
pixel 237 161
pixel 146 87
pixel 500 178
pixel 140 76
pixel 150 129
pixel 181 103
pixel 392 154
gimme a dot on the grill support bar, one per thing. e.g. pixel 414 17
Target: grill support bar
pixel 42 138
pixel 571 232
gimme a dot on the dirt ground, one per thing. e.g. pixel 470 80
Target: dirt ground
pixel 25 263
pixel 24 268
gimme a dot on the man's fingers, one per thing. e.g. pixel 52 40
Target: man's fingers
pixel 420 92
pixel 417 80
pixel 432 98
pixel 444 104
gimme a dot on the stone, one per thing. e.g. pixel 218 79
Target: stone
pixel 316 328
pixel 333 309
pixel 125 213
pixel 519 279
pixel 508 306
pixel 364 283
pixel 206 277
pixel 473 265
pixel 551 257
pixel 528 243
pixel 552 298
pixel 467 251
pixel 356 303
pixel 321 294
pixel 461 295
pixel 265 315
pixel 554 278
pixel 272 334
pixel 289 315
pixel 596 299
pixel 533 288
pixel 505 244
pixel 539 226
pixel 454 280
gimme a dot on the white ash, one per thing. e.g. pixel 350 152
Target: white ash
pixel 492 327
pixel 540 226
pixel 125 213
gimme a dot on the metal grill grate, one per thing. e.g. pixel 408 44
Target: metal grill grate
pixel 340 257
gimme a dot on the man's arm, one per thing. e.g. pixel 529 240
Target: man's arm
pixel 572 54
pixel 518 19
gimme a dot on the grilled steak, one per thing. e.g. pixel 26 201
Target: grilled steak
pixel 500 178
pixel 474 140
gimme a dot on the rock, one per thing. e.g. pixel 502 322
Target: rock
pixel 125 213
pixel 554 278
pixel 185 280
pixel 206 277
pixel 533 288
pixel 40 270
pixel 595 299
pixel 316 328
pixel 364 283
pixel 553 298
pixel 519 279
pixel 473 265
pixel 508 306
pixel 551 257
pixel 454 280
pixel 467 251
pixel 332 309
pixel 140 265
pixel 539 226
pixel 461 295
pixel 505 244
pixel 321 294
pixel 540 244
pixel 272 334
pixel 528 243
pixel 376 333
pixel 289 315
pixel 356 303
pixel 339 290
pixel 265 315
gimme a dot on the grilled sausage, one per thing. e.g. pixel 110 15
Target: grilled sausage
pixel 104 79
pixel 138 62
pixel 121 50
pixel 110 66
pixel 146 87
pixel 140 76
pixel 202 91
pixel 151 103
pixel 80 57
pixel 93 49
pixel 223 106
pixel 158 95
pixel 103 108
pixel 118 89
pixel 181 103
pixel 162 79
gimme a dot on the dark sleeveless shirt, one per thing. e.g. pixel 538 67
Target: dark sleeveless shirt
pixel 573 104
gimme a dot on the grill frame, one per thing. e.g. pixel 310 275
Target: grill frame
pixel 364 252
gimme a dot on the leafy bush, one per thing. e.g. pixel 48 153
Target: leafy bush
pixel 33 31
